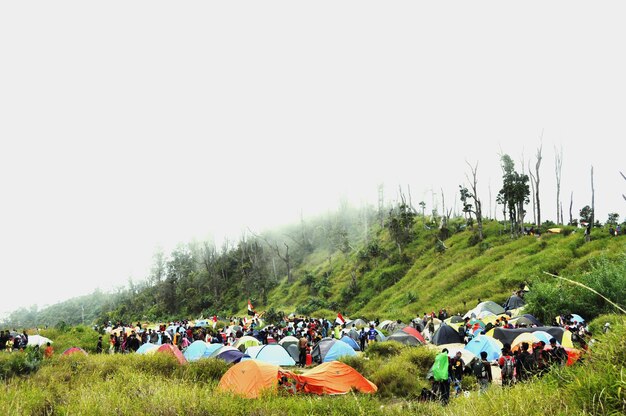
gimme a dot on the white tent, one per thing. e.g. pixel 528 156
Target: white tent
pixel 38 340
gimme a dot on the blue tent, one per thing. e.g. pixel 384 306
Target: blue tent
pixel 337 350
pixel 352 343
pixel 484 343
pixel 197 350
pixel 577 318
pixel 330 349
pixel 272 354
pixel 146 347
pixel 231 356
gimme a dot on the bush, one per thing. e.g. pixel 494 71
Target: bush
pixel 395 380
pixel 357 362
pixel 19 363
pixel 206 370
pixel 384 349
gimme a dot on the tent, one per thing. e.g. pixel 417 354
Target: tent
pixel 199 349
pixel 446 335
pixel 272 354
pixel 74 350
pixel 249 378
pixel 404 338
pixel 351 332
pixel 333 377
pixel 293 351
pixel 172 350
pixel 455 319
pixel 359 323
pixel 412 331
pixel 329 349
pixel 352 343
pixel 514 302
pixel 481 343
pixel 573 354
pixel 528 337
pixel 288 340
pixel 526 319
pixel 228 354
pixel 380 336
pixel 147 348
pixel 384 325
pixel 505 335
pixel 489 305
pixel 577 318
pixel 38 340
pixel 246 342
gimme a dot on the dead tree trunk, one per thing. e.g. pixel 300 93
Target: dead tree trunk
pixel 593 205
pixel 532 188
pixel 536 180
pixel 558 165
pixel 478 206
pixel 571 203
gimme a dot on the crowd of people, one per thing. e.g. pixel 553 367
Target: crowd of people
pixel 13 341
pixel 515 365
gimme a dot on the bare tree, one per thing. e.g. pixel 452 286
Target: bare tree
pixel 623 176
pixel 571 203
pixel 535 179
pixel 532 192
pixel 558 165
pixel 286 258
pixel 477 209
pixel 593 199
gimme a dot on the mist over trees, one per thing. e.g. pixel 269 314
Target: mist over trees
pixel 201 279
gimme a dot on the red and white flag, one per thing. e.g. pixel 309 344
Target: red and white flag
pixel 340 319
pixel 214 321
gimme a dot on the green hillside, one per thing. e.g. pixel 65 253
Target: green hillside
pixel 349 261
pixel 387 285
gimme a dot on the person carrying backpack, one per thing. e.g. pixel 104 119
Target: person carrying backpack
pixel 525 363
pixel 482 370
pixel 507 366
pixel 441 376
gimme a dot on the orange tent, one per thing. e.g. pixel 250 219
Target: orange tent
pixel 249 378
pixel 333 377
pixel 173 350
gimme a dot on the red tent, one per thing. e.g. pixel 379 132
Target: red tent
pixel 74 350
pixel 333 377
pixel 173 350
pixel 412 331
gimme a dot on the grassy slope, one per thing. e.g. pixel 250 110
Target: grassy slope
pixel 136 384
pixel 430 280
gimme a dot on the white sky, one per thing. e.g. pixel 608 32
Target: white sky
pixel 128 125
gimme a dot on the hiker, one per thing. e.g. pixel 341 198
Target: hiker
pixel 539 358
pixel 303 346
pixel 524 363
pixel 482 370
pixel 457 368
pixel 441 376
pixel 99 345
pixel 362 339
pixel 556 354
pixel 49 351
pixel 507 365
pixel 371 335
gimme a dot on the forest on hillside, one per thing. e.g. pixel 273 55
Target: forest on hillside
pixel 333 262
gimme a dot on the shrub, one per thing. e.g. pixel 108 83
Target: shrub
pixel 384 349
pixel 204 371
pixel 395 380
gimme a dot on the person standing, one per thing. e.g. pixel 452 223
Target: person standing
pixel 99 345
pixel 49 351
pixel 482 371
pixel 303 346
pixel 441 376
pixel 507 365
pixel 458 367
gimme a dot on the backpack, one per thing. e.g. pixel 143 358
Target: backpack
pixel 479 370
pixel 508 368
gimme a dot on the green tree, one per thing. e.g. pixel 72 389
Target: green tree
pixel 514 193
pixel 586 213
pixel 400 224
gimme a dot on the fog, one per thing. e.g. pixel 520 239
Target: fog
pixel 127 127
